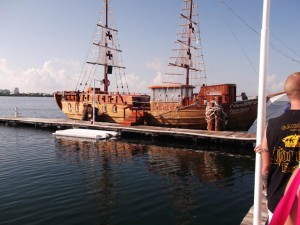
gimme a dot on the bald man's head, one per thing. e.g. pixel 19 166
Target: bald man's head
pixel 292 86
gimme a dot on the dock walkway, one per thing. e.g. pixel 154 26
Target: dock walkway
pixel 140 132
pixel 248 220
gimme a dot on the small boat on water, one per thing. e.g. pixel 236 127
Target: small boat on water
pixel 184 100
pixel 86 133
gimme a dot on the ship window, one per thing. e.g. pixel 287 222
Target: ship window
pixel 69 107
pixel 77 107
pixel 188 92
pixel 115 109
pixel 157 94
pixel 173 95
pixel 104 108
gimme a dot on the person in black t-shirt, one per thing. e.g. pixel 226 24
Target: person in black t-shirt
pixel 280 147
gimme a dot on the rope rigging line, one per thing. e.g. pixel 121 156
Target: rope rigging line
pixel 237 40
pixel 256 32
pixel 272 34
pixel 187 59
pixel 103 50
pixel 82 76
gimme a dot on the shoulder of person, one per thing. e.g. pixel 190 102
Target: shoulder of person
pixel 274 120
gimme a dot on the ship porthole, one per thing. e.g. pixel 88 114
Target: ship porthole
pixel 77 107
pixel 69 107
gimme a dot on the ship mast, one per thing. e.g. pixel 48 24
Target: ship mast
pixel 105 54
pixel 188 65
pixel 187 74
pixel 105 80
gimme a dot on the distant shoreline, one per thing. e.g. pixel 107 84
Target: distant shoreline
pixel 27 95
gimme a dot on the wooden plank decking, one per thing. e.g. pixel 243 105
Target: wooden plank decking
pixel 217 136
pixel 248 220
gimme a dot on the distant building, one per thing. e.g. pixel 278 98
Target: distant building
pixel 16 91
pixel 4 91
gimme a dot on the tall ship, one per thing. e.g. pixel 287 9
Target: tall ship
pixel 184 99
pixel 102 92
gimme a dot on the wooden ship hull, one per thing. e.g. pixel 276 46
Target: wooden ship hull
pixel 213 108
pixel 240 117
pixel 113 108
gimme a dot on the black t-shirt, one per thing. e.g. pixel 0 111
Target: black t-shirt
pixel 283 136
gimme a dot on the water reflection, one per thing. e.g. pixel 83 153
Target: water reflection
pixel 115 171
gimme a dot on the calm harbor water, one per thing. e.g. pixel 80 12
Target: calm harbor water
pixel 45 180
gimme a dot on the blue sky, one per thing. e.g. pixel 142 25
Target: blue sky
pixel 43 44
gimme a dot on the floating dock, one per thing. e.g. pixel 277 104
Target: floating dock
pixel 141 132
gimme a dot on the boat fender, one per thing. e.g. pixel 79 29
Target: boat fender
pixel 215 117
pixel 97 114
pixel 85 115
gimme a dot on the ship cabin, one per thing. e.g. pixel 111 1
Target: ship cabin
pixel 224 93
pixel 135 100
pixel 172 94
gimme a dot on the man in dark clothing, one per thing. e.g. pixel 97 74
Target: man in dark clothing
pixel 280 146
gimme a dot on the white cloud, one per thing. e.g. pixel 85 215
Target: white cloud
pixel 274 85
pixel 158 79
pixel 134 83
pixel 7 76
pixel 58 74
pixel 156 65
pixel 54 75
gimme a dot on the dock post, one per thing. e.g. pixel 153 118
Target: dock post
pixel 210 116
pixel 218 113
pixel 16 112
pixel 218 120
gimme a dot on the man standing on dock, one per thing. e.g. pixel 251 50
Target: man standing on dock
pixel 281 145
